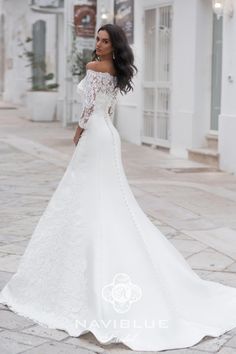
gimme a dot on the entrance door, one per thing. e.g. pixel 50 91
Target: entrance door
pixel 157 69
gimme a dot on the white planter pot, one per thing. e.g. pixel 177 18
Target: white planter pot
pixel 42 105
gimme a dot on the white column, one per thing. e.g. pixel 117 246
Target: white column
pixel 227 118
pixel 60 66
pixel 2 49
pixel 68 94
pixel 191 70
pixel 129 107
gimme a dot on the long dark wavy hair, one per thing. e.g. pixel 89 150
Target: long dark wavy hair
pixel 124 57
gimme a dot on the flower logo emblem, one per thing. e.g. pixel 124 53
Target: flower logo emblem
pixel 121 293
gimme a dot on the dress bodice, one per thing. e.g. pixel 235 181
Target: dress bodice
pixel 99 94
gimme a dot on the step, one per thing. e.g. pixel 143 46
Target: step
pixel 204 155
pixel 212 141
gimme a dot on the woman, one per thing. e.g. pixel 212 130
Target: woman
pixel 95 261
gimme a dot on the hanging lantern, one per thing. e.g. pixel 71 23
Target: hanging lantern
pixel 104 14
pixel 221 7
pixel 218 7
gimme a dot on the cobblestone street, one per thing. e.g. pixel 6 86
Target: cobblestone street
pixel 193 204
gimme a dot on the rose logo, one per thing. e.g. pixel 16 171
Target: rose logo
pixel 121 293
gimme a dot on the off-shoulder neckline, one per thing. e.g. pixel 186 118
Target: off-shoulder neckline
pixel 102 72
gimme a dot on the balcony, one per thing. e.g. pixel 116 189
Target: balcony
pixel 47 6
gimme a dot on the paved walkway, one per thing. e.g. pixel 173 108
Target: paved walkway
pixel 192 204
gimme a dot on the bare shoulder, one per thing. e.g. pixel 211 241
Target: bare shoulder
pixel 100 66
pixel 92 65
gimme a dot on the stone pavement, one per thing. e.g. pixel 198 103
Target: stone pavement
pixel 192 204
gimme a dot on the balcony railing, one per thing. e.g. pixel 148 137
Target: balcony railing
pixel 47 6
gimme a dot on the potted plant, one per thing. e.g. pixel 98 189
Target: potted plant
pixel 77 65
pixel 42 98
pixel 77 61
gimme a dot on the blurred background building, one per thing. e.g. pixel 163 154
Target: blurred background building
pixel 184 99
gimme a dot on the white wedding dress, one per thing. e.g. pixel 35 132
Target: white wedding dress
pixel 95 261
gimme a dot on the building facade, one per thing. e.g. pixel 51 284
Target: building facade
pixel 184 93
pixel 184 97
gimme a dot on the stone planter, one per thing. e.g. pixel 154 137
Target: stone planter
pixel 42 105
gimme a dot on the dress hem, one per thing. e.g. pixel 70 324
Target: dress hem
pixel 209 331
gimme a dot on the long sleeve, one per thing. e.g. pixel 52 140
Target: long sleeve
pixel 89 99
pixel 96 83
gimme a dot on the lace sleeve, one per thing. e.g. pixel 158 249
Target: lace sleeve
pixel 89 99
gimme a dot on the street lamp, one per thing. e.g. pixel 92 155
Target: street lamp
pixel 105 15
pixel 223 6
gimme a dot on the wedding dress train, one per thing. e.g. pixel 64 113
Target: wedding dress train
pixel 95 261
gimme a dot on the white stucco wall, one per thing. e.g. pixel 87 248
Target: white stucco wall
pixel 227 118
pixel 18 22
pixel 191 78
pixel 15 83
